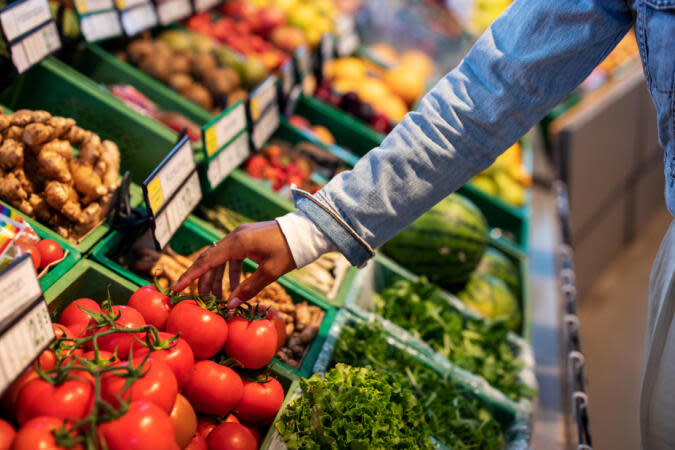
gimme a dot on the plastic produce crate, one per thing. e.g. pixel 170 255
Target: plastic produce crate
pixel 57 88
pixel 382 271
pixel 190 238
pixel 512 418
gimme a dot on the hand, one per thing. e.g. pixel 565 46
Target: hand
pixel 262 242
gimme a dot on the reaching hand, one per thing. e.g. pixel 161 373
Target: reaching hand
pixel 262 242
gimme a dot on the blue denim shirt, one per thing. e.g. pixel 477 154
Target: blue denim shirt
pixel 530 59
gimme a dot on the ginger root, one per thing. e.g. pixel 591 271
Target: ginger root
pixel 52 164
pixel 61 126
pixel 87 182
pixel 64 199
pixel 11 154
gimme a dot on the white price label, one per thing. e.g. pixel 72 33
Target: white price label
pixel 265 127
pixel 92 6
pixel 22 17
pixel 175 212
pixel 205 5
pixel 35 47
pixel 19 286
pixel 327 48
pixel 128 4
pixel 263 96
pixel 224 129
pixel 170 11
pixel 170 175
pixel 228 159
pixel 287 78
pixel 348 38
pixel 303 61
pixel 23 342
pixel 138 19
pixel 96 27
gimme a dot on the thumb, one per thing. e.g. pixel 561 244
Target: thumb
pixel 252 285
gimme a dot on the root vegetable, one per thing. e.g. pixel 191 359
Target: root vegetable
pixel 61 125
pixel 21 118
pixel 40 207
pixel 53 165
pixel 13 132
pixel 110 155
pixel 36 134
pixel 11 189
pixel 11 154
pixel 40 116
pixel 61 147
pixel 77 135
pixel 87 182
pixel 5 122
pixel 90 150
pixel 64 199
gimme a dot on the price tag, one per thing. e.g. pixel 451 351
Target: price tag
pixel 205 5
pixel 35 47
pixel 287 78
pixel 303 62
pixel 20 288
pixel 170 191
pixel 224 128
pixel 96 27
pixel 265 127
pixel 263 97
pixel 23 341
pixel 228 159
pixel 347 36
pixel 92 6
pixel 170 11
pixel 128 4
pixel 138 19
pixel 327 48
pixel 21 17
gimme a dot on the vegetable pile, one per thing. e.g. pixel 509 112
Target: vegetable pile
pixel 355 408
pixel 138 376
pixel 41 175
pixel 453 418
pixel 474 345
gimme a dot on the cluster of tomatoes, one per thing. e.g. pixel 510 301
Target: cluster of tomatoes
pixel 45 253
pixel 136 376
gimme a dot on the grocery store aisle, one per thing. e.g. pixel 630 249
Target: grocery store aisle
pixel 613 319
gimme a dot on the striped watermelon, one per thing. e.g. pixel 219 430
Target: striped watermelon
pixel 445 244
pixel 492 298
pixel 497 264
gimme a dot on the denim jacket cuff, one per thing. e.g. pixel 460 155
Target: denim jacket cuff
pixel 348 242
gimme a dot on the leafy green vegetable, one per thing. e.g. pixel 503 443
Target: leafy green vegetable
pixel 474 345
pixel 454 419
pixel 357 408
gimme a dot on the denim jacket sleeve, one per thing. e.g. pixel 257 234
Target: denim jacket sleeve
pixel 523 65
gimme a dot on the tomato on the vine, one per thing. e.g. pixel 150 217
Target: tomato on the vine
pixel 213 389
pixel 205 331
pixel 35 256
pixel 251 342
pixel 37 433
pixel 70 400
pixel 152 304
pixel 157 385
pixel 12 393
pixel 7 433
pixel 47 359
pixel 184 421
pixel 75 318
pixel 279 325
pixel 178 357
pixel 197 443
pixel 205 425
pixel 142 427
pixel 231 436
pixel 50 252
pixel 105 357
pixel 261 401
pixel 123 342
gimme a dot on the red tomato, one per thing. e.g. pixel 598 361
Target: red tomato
pixel 178 357
pixel 279 325
pixel 123 342
pixel 213 389
pixel 144 426
pixel 35 256
pixel 254 431
pixel 37 434
pixel 72 399
pixel 184 421
pixel 74 318
pixel 205 425
pixel 252 343
pixel 260 402
pixel 7 433
pixel 47 359
pixel 197 443
pixel 50 251
pixel 231 436
pixel 205 331
pixel 157 386
pixel 12 393
pixel 152 304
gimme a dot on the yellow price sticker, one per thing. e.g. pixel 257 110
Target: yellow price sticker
pixel 120 4
pixel 255 109
pixel 211 140
pixel 155 195
pixel 81 6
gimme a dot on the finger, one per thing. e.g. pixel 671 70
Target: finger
pixel 206 282
pixel 235 274
pixel 211 258
pixel 217 283
pixel 250 287
pixel 234 303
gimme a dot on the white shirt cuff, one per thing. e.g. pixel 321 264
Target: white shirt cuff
pixel 306 241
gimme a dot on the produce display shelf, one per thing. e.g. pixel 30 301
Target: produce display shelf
pixel 382 271
pixel 512 418
pixel 190 238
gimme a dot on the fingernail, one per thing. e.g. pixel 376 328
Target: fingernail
pixel 234 303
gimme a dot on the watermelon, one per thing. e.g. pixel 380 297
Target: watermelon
pixel 445 244
pixel 492 298
pixel 498 265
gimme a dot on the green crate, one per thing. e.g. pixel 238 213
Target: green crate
pixel 88 279
pixel 513 419
pixel 190 238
